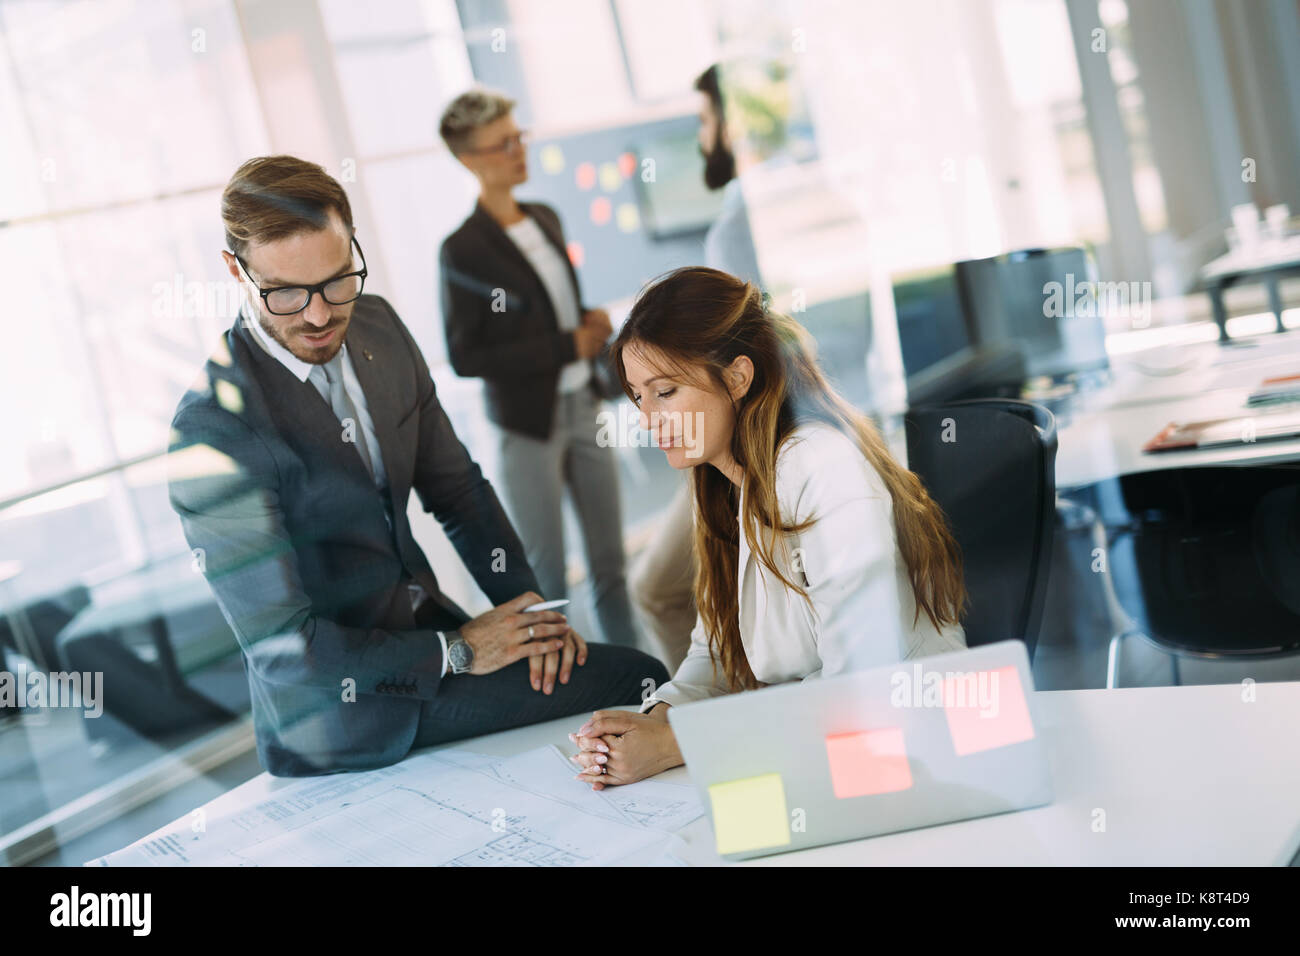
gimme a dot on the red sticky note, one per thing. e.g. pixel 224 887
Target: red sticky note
pixel 867 762
pixel 986 709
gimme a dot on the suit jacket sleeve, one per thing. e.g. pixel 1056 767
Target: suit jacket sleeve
pixel 452 488
pixel 223 484
pixel 474 348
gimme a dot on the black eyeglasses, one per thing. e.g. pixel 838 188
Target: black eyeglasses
pixel 291 299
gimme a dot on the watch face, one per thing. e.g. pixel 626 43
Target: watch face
pixel 462 655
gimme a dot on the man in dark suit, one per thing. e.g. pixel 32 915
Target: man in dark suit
pixel 292 461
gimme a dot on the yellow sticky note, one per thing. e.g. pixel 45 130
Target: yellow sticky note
pixel 750 814
pixel 627 217
pixel 610 177
pixel 552 159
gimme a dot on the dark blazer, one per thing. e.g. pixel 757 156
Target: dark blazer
pixel 292 535
pixel 518 349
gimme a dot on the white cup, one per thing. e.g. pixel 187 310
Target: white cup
pixel 1277 218
pixel 1245 220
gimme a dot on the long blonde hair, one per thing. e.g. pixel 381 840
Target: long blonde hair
pixel 703 318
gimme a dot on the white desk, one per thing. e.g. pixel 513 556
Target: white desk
pixel 1103 433
pixel 1267 262
pixel 1186 776
pixel 1268 254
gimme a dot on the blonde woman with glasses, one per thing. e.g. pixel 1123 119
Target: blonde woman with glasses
pixel 513 316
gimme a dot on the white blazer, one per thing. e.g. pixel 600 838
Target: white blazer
pixel 848 561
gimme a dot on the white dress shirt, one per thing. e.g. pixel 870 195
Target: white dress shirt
pixel 302 371
pixel 849 562
pixel 553 270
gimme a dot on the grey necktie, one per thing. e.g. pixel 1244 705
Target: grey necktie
pixel 341 402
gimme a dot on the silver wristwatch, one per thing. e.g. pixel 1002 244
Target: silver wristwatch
pixel 460 656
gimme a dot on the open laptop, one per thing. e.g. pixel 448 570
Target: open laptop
pixel 926 741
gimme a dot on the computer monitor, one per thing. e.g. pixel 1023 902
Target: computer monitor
pixel 941 358
pixel 931 327
pixel 1038 301
pixel 677 202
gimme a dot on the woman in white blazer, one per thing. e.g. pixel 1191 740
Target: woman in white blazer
pixel 818 553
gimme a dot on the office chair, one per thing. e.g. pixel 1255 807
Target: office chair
pixel 1217 556
pixel 166 652
pixel 990 464
pixel 29 628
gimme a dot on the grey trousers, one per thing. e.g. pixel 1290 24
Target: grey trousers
pixel 534 477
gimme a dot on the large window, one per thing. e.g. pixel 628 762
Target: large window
pixel 121 121
pixel 1132 104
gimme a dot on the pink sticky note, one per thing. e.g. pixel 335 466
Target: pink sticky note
pixel 986 709
pixel 867 762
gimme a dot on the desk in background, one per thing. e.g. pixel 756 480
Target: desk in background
pixel 1270 264
pixel 1101 433
pixel 1185 776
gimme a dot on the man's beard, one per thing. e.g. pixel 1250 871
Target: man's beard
pixel 719 166
pixel 316 356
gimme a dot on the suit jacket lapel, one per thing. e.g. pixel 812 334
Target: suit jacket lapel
pixel 320 426
pixel 745 559
pixel 374 373
pixel 505 246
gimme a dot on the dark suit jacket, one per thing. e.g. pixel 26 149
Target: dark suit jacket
pixel 518 349
pixel 291 533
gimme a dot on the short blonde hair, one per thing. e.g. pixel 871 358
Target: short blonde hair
pixel 469 111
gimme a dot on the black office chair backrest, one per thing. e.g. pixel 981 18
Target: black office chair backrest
pixel 990 464
pixel 1216 551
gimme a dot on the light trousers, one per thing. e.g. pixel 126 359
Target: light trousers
pixel 535 476
pixel 663 580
